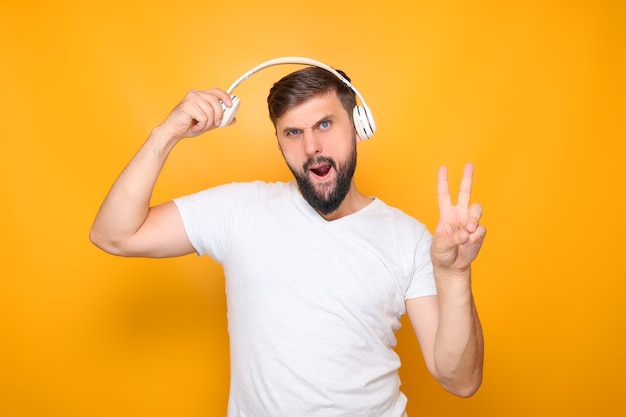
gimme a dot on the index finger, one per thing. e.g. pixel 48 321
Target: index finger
pixel 219 93
pixel 443 190
pixel 215 97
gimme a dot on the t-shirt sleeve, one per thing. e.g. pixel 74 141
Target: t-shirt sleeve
pixel 423 279
pixel 206 216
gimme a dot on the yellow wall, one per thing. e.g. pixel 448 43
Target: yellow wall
pixel 531 92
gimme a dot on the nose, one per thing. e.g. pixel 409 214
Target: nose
pixel 312 146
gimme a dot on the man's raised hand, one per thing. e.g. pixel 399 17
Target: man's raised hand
pixel 197 113
pixel 458 236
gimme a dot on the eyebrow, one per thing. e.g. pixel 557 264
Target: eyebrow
pixel 324 118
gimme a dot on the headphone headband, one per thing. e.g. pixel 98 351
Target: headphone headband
pixel 294 60
pixel 362 116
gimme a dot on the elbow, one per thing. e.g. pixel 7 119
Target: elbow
pixel 464 388
pixel 99 240
pixel 467 391
pixel 96 239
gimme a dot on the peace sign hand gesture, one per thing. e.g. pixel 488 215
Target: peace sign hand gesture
pixel 458 236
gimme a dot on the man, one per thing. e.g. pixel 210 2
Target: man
pixel 318 275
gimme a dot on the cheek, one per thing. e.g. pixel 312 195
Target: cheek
pixel 290 155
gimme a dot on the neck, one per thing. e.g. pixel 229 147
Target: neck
pixel 353 202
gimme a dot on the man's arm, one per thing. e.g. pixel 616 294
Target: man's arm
pixel 447 326
pixel 126 224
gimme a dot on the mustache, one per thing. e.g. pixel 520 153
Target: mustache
pixel 317 161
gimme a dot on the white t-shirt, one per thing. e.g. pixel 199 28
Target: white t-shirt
pixel 313 305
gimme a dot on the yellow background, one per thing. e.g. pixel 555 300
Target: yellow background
pixel 532 92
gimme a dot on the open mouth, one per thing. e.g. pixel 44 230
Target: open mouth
pixel 321 170
pixel 319 167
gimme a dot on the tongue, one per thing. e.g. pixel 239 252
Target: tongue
pixel 321 171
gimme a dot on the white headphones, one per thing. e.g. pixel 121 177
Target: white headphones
pixel 362 115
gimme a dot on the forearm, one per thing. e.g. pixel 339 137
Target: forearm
pixel 127 204
pixel 459 346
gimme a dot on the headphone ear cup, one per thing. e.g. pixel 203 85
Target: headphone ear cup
pixel 363 122
pixel 229 112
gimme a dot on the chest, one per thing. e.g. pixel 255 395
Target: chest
pixel 301 273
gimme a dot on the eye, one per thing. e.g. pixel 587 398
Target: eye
pixel 325 125
pixel 293 132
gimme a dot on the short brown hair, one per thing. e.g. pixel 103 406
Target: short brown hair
pixel 301 85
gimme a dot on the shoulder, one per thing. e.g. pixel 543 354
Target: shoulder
pixel 396 218
pixel 240 190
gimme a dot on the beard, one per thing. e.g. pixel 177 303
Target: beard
pixel 327 196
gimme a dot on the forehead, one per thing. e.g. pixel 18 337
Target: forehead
pixel 312 110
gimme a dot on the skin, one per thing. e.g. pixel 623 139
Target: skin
pixel 447 325
pixel 320 127
pixel 452 339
